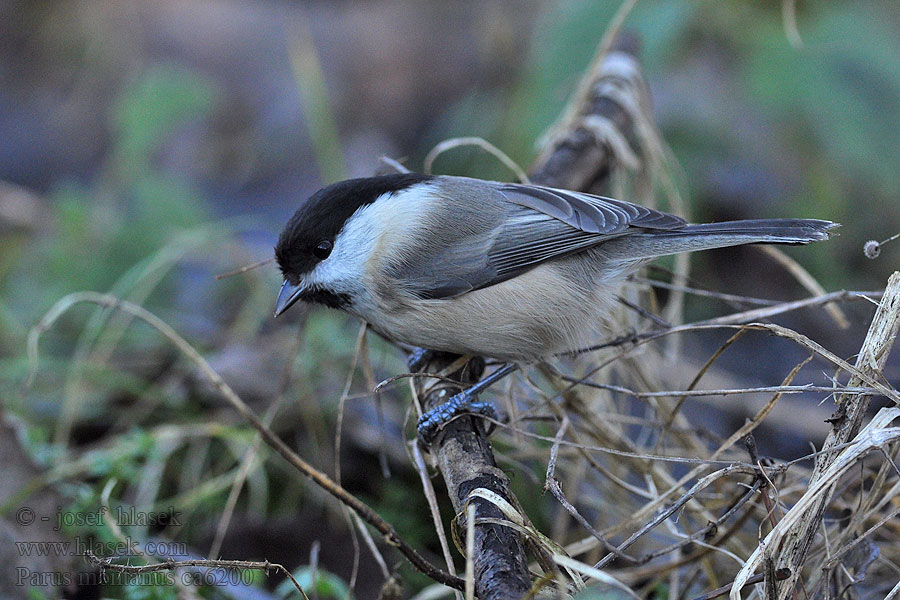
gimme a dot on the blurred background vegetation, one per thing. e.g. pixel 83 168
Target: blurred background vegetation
pixel 146 147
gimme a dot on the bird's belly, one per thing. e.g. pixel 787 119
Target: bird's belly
pixel 524 319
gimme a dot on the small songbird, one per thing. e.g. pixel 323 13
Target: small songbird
pixel 515 272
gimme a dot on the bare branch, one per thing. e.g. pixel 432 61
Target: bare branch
pixel 320 478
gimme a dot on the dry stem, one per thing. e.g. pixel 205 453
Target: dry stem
pixel 847 421
pixel 320 478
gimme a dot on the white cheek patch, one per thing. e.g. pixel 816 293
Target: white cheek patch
pixel 348 257
pixel 369 235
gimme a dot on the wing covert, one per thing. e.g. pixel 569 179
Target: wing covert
pixel 519 226
pixel 593 214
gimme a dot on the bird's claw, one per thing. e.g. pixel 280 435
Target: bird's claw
pixel 418 358
pixel 434 420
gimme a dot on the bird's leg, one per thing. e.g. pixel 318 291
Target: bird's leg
pixel 420 357
pixel 466 402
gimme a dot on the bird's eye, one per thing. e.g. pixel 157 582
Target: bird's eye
pixel 322 249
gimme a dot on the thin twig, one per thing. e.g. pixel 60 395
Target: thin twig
pixel 730 298
pixel 780 575
pixel 245 268
pixel 763 389
pixel 170 565
pixel 431 498
pixel 320 478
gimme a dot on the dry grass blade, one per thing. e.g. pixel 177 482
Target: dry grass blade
pixel 847 421
pixel 789 19
pixel 874 436
pixel 370 544
pixel 508 510
pixel 658 499
pixel 320 478
pixel 479 143
pixel 593 573
pixel 470 552
pixel 806 279
pixel 431 498
pixel 784 307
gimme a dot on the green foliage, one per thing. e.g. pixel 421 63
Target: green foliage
pixel 603 592
pixel 404 508
pixel 845 84
pixel 831 106
pixel 329 335
pixel 37 594
pixel 152 586
pixel 318 582
pixel 149 110
pixel 125 461
pixel 102 228
pixel 120 232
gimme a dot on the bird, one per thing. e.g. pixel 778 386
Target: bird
pixel 510 271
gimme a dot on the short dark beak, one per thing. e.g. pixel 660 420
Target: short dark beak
pixel 288 295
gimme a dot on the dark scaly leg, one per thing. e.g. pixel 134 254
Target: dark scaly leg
pixel 420 357
pixel 465 402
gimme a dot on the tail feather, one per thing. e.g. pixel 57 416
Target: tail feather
pixel 770 231
pixel 705 236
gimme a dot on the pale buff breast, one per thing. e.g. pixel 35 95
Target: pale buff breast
pixel 522 319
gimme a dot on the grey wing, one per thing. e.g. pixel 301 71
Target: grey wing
pixel 522 227
pixel 593 214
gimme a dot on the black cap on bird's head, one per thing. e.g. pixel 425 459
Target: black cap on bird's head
pixel 310 234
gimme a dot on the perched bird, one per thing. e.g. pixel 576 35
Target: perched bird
pixel 515 272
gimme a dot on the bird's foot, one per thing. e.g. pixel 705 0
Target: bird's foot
pixel 464 403
pixel 419 358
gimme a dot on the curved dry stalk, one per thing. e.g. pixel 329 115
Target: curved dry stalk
pixel 874 436
pixel 478 143
pixel 805 278
pixel 745 430
pixel 320 478
pixel 846 423
pixel 250 456
pixel 676 506
pixel 419 462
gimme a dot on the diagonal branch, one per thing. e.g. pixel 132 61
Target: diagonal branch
pixel 321 479
pixel 576 158
pixel 846 423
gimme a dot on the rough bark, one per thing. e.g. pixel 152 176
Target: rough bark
pixel 576 159
pixel 846 422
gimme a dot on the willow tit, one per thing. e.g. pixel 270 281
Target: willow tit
pixel 509 271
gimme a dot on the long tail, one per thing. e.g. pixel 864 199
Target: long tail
pixel 649 244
